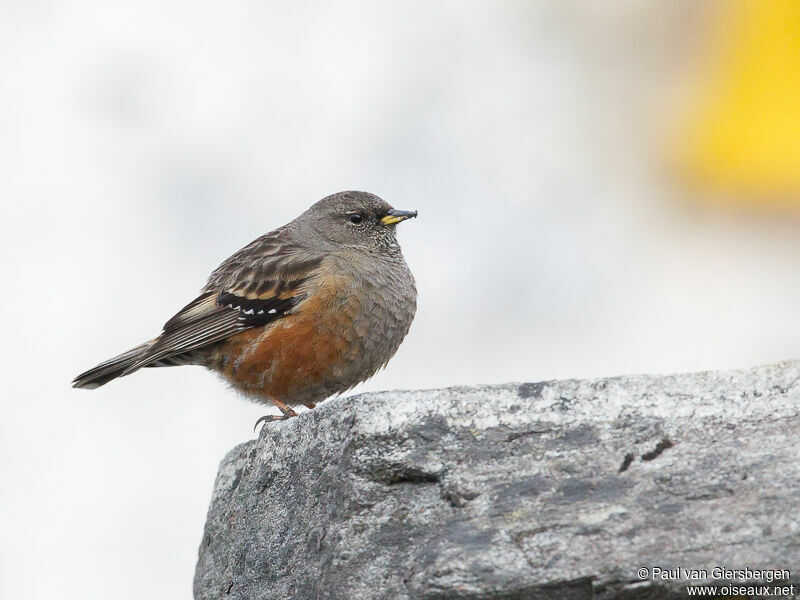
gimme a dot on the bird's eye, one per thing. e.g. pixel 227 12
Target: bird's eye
pixel 355 218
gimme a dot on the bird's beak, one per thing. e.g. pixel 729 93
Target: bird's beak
pixel 395 216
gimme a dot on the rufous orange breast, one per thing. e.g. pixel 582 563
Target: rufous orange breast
pixel 286 360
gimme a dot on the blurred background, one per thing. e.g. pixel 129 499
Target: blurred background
pixel 604 186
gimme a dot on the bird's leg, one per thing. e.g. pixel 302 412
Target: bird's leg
pixel 309 404
pixel 288 413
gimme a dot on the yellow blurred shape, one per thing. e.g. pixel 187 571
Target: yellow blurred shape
pixel 743 134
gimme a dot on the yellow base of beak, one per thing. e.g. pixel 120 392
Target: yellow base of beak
pixel 395 216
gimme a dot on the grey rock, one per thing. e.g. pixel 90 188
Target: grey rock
pixel 557 489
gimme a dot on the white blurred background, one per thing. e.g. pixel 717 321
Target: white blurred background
pixel 143 142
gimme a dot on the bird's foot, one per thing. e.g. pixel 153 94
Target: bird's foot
pixel 288 413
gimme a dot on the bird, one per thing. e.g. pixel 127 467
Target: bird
pixel 304 312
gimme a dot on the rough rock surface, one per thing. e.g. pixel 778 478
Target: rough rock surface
pixel 558 489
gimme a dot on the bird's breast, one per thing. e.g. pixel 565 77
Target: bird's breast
pixel 347 328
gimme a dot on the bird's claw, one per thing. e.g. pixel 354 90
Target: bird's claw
pixel 272 418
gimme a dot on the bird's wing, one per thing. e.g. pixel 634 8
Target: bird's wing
pixel 256 286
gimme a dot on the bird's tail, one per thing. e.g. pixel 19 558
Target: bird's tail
pixel 110 369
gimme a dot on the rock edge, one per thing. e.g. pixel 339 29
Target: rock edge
pixel 556 489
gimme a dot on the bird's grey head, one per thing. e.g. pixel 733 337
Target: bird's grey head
pixel 356 219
